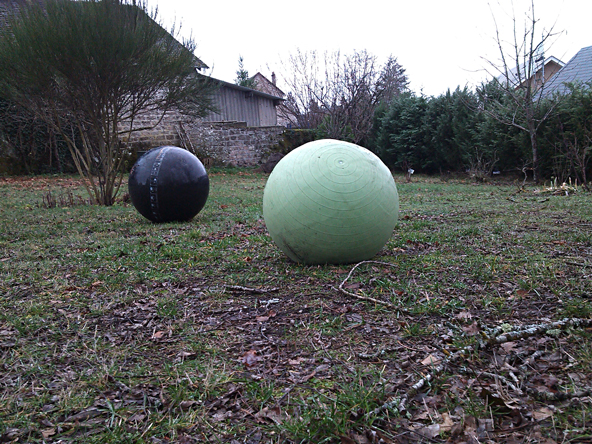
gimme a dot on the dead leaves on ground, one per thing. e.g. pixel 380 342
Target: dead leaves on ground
pixel 300 341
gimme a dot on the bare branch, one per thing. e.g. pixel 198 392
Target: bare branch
pixel 521 81
pixel 337 94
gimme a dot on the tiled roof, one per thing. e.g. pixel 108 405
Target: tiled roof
pixel 577 70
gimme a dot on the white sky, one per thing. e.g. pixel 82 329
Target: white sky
pixel 441 43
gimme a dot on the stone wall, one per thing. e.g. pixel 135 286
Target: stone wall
pixel 164 133
pixel 221 143
pixel 233 143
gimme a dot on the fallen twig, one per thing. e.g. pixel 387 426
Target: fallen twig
pixel 531 359
pixel 578 264
pixel 400 403
pixel 415 388
pixel 498 336
pixel 371 355
pixel 499 377
pixel 504 380
pixel 367 298
pixel 362 297
pixel 558 396
pixel 251 290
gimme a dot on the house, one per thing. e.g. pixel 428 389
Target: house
pixel 577 70
pixel 545 71
pixel 541 73
pixel 235 103
pixel 286 116
pixel 262 83
pixel 242 130
pixel 239 104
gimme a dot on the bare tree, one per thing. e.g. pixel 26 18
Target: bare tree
pixel 301 105
pixel 481 163
pixel 337 95
pixel 90 69
pixel 576 154
pixel 520 76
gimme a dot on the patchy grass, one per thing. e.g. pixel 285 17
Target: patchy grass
pixel 114 329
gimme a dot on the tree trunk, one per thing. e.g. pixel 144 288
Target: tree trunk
pixel 535 157
pixel 532 132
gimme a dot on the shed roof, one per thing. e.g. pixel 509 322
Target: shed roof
pixel 247 90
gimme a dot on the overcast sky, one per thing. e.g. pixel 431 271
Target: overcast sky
pixel 441 43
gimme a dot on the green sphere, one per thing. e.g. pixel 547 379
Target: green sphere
pixel 330 202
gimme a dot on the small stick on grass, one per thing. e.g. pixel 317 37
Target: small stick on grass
pixel 251 290
pixel 362 297
pixel 536 329
pixel 530 330
pixel 400 403
pixel 558 396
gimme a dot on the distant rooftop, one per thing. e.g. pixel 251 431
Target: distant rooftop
pixel 540 67
pixel 577 70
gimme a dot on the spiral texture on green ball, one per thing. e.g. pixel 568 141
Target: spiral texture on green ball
pixel 332 202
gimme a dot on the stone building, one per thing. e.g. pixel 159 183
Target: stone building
pixel 263 84
pixel 242 132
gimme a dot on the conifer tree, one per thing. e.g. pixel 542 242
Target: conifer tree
pixel 242 76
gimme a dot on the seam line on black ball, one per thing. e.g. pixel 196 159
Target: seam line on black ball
pixel 154 183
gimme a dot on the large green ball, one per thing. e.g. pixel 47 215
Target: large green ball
pixel 330 202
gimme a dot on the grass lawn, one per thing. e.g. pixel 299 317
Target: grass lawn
pixel 117 330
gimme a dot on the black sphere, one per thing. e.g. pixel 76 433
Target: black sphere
pixel 168 184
